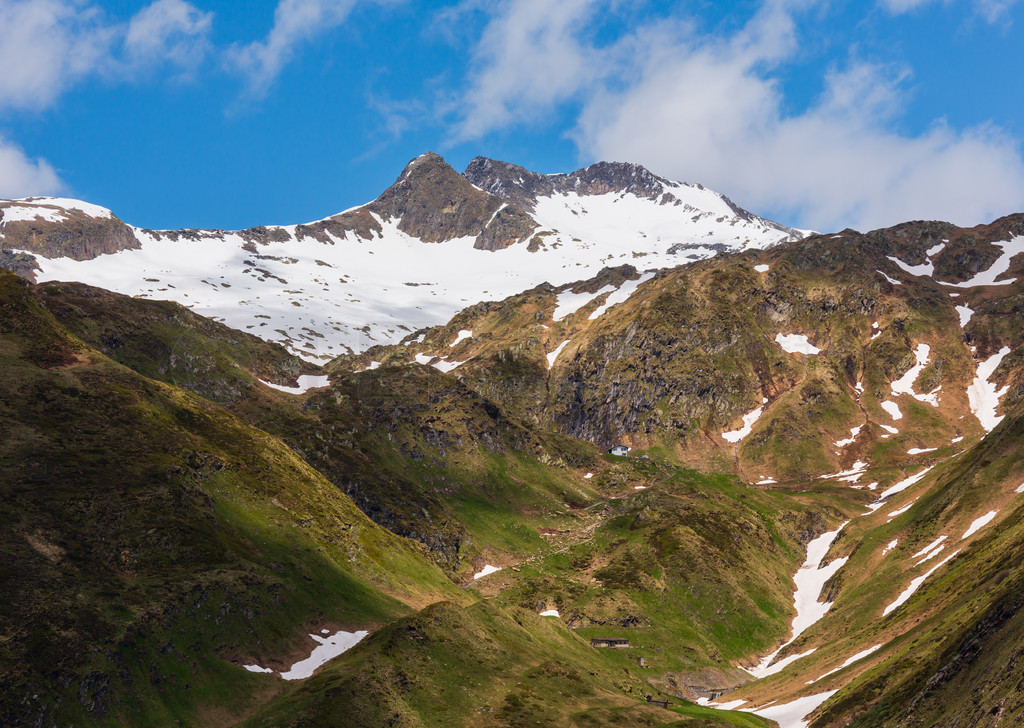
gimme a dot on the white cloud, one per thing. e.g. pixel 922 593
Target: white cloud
pixel 295 22
pixel 529 58
pixel 168 30
pixel 46 46
pixel 24 177
pixel 711 110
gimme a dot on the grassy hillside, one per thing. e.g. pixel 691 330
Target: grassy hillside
pixel 152 542
pixel 482 666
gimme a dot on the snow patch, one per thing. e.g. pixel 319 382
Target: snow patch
pixel 988 277
pixel 893 409
pixel 965 314
pixel 257 668
pixel 983 396
pixel 915 584
pixel 748 423
pixel 444 365
pixel 925 269
pixel 794 714
pixel 488 569
pixel 761 268
pixel 621 295
pixel 921 450
pixel 329 648
pixel 854 431
pixel 809 580
pixel 796 344
pixel 554 354
pixel 891 280
pixel 905 384
pixel 305 383
pixel 550 613
pixel 850 661
pixel 900 511
pixel 902 485
pixel 569 303
pixel 930 550
pixel 890 546
pixel 978 524
pixel 463 334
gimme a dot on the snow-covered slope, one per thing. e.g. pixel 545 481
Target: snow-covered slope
pixel 368 277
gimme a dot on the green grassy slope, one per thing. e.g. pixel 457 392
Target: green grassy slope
pixel 958 656
pixel 152 542
pixel 694 569
pixel 167 342
pixel 482 666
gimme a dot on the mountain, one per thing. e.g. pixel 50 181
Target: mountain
pixel 432 243
pixel 818 522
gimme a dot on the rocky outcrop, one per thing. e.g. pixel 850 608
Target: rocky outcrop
pixel 22 264
pixel 522 187
pixel 78 236
pixel 432 202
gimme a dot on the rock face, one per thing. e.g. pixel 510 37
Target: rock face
pixel 45 227
pixel 522 187
pixel 434 203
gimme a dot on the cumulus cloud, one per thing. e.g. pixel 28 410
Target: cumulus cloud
pixel 295 22
pixel 24 177
pixel 49 45
pixel 528 59
pixel 712 110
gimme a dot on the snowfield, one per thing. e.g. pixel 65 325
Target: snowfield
pixel 325 299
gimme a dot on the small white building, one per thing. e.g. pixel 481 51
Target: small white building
pixel 619 450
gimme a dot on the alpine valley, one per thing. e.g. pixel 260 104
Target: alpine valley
pixel 357 472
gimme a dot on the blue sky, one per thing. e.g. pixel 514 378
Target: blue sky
pixel 822 114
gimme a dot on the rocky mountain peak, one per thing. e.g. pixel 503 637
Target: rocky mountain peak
pixel 523 187
pixel 435 203
pixel 605 177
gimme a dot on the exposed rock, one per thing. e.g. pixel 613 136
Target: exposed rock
pixel 78 236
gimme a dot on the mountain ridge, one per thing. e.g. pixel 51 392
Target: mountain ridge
pixel 478 246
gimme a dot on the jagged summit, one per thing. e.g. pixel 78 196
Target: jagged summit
pixel 433 202
pixel 526 189
pixel 523 187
